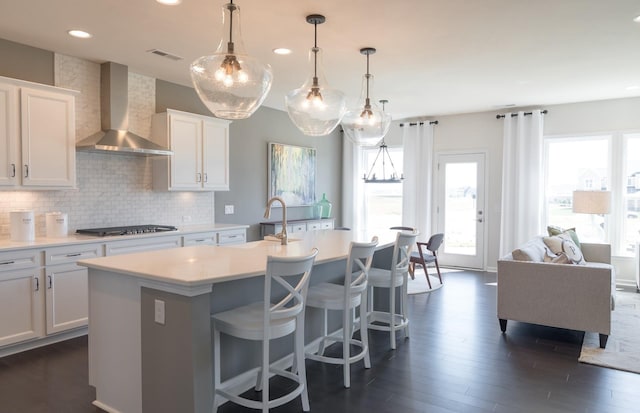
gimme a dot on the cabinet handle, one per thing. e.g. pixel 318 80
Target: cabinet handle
pixel 13 170
pixel 76 254
pixel 198 177
pixel 26 171
pixel 37 283
pixel 206 178
pixel 49 282
pixel 198 240
pixel 7 262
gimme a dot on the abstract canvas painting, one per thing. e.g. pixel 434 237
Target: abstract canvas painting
pixel 292 174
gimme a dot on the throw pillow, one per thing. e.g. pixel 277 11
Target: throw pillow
pixel 555 230
pixel 533 250
pixel 564 244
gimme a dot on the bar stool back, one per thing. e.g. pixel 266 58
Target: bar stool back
pixel 263 321
pixel 391 279
pixel 346 298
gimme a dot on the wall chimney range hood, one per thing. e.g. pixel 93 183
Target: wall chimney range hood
pixel 114 104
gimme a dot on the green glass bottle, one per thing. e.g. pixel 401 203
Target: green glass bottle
pixel 325 207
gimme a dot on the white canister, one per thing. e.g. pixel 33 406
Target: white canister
pixel 23 226
pixel 57 224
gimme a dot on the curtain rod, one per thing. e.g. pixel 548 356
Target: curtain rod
pixel 513 115
pixel 431 122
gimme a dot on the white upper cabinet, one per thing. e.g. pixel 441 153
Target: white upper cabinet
pixel 37 129
pixel 200 145
pixel 9 141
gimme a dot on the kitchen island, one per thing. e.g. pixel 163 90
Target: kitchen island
pixel 149 316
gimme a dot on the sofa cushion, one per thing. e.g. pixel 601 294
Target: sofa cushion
pixel 563 243
pixel 533 250
pixel 556 230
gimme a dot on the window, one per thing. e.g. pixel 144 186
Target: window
pixel 383 200
pixel 576 163
pixel 630 233
pixel 603 162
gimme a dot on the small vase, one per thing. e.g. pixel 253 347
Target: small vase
pixel 325 207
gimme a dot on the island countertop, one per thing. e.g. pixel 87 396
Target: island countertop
pixel 202 265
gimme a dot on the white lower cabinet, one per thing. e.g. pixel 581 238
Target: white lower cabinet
pixel 66 286
pixel 143 244
pixel 20 305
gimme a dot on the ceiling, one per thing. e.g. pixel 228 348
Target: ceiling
pixel 434 57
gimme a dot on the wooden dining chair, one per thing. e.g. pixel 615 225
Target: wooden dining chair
pixel 427 253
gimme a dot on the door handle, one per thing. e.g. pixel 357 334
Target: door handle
pixel 479 219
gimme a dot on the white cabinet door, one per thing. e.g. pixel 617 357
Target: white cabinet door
pixel 20 305
pixel 9 155
pixel 67 297
pixel 186 144
pixel 47 128
pixel 215 155
pixel 200 145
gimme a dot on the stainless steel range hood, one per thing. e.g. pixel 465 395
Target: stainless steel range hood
pixel 114 105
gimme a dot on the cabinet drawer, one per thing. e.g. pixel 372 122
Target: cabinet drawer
pixel 232 237
pixel 298 227
pixel 326 225
pixel 140 245
pixel 71 254
pixel 204 238
pixel 315 225
pixel 15 260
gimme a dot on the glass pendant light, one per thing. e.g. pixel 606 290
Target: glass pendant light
pixel 315 108
pixel 230 83
pixel 366 124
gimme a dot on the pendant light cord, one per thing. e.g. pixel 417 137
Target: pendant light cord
pixel 315 53
pixel 367 76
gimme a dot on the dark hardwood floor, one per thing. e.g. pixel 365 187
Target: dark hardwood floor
pixel 456 360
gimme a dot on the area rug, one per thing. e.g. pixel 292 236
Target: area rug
pixel 623 348
pixel 419 284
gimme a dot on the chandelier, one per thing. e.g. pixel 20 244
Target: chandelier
pixel 383 156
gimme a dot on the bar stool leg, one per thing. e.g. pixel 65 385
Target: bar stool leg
pixel 346 346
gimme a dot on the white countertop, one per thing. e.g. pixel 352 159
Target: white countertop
pixel 6 244
pixel 201 265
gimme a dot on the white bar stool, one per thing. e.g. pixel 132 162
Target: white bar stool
pixel 391 279
pixel 263 321
pixel 346 298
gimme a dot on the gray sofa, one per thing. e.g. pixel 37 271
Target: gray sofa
pixel 576 297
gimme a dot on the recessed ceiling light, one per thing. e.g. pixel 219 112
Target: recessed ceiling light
pixel 80 34
pixel 636 19
pixel 282 51
pixel 169 2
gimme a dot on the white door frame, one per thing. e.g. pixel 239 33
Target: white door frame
pixel 438 218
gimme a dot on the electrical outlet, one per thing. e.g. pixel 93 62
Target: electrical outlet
pixel 229 209
pixel 159 312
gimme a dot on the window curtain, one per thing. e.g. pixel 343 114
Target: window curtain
pixel 417 188
pixel 353 205
pixel 522 191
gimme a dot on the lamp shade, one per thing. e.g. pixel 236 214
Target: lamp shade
pixel 592 202
pixel 230 83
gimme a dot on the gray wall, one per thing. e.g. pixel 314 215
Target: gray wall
pixel 12 63
pixel 248 165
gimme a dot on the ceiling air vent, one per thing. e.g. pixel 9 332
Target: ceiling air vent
pixel 162 53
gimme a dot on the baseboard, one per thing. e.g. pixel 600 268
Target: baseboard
pixel 41 342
